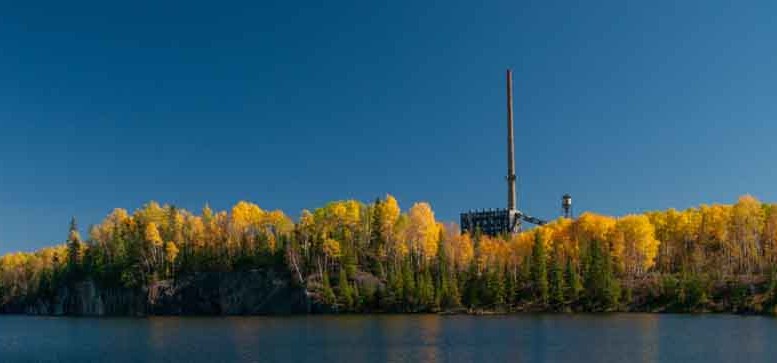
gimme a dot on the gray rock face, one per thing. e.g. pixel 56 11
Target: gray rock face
pixel 254 292
pixel 84 298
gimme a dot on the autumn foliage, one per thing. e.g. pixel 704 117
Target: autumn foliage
pixel 594 262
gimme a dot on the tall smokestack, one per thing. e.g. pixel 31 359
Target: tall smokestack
pixel 510 145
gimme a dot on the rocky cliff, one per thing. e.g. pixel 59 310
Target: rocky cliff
pixel 254 292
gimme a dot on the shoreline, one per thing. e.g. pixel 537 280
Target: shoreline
pixel 479 313
pixel 389 314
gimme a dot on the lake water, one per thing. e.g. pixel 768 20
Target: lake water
pixel 393 338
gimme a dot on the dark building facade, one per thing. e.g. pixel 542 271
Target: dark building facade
pixel 492 222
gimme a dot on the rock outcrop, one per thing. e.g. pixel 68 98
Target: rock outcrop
pixel 254 292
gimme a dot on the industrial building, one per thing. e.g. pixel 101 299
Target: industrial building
pixel 496 222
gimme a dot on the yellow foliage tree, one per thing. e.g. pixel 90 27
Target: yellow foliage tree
pixel 171 253
pixel 747 217
pixel 152 234
pixel 390 214
pixel 520 247
pixel 246 215
pixel 591 227
pixel 423 230
pixel 152 212
pixel 491 254
pixel 331 248
pixel 634 244
pixel 389 210
pixel 769 235
pixel 196 231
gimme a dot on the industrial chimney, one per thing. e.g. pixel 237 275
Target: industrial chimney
pixel 511 204
pixel 500 222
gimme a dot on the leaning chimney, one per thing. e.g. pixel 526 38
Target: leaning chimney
pixel 510 145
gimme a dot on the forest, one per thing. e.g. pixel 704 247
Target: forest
pixel 357 257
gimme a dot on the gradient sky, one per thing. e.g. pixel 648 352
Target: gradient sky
pixel 627 105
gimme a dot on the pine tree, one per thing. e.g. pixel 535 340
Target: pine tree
pixel 75 247
pixel 453 297
pixel 328 294
pixel 350 262
pixel 496 287
pixel 377 244
pixel 439 291
pixel 396 291
pixel 346 296
pixel 525 271
pixel 601 288
pixel 594 281
pixel 539 270
pixel 612 286
pixel 409 286
pixel 524 280
pixel 472 287
pixel 510 288
pixel 574 286
pixel 557 287
pixel 426 290
pixel 441 287
pixel 447 289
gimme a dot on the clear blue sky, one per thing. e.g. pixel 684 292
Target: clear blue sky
pixel 627 105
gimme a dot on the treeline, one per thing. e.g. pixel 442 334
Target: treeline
pixel 373 257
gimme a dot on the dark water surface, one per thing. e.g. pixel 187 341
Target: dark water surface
pixel 399 338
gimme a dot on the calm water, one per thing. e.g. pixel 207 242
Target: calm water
pixel 418 338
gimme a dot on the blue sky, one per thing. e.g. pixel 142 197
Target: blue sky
pixel 627 105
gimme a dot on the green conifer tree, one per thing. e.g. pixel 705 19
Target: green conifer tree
pixel 574 286
pixel 613 287
pixel 350 262
pixel 377 244
pixel 426 290
pixel 75 247
pixel 539 271
pixel 496 287
pixel 409 287
pixel 346 296
pixel 396 292
pixel 510 287
pixel 525 271
pixel 452 298
pixel 557 285
pixel 442 286
pixel 601 288
pixel 328 294
pixel 472 288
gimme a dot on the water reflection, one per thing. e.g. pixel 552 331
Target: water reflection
pixel 400 338
pixel 430 338
pixel 647 335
